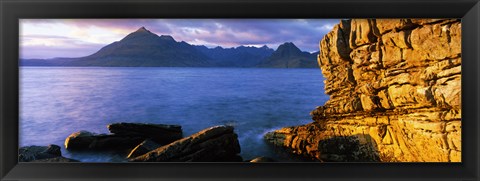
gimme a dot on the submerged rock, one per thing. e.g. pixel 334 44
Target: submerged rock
pixel 159 133
pixel 86 140
pixel 50 153
pixel 144 147
pixel 217 143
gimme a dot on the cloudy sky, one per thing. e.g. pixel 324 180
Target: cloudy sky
pixel 49 38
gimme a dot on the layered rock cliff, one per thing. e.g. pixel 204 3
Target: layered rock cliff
pixel 395 94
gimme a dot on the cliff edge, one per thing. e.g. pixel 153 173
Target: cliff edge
pixel 395 94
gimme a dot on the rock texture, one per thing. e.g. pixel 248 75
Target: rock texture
pixel 50 153
pixel 395 92
pixel 217 143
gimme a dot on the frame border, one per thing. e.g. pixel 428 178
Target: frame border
pixel 13 10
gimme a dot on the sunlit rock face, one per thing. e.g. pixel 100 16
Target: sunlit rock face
pixel 395 91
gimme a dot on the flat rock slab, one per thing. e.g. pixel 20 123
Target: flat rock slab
pixel 84 140
pixel 160 133
pixel 217 143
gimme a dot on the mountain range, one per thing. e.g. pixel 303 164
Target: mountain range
pixel 143 48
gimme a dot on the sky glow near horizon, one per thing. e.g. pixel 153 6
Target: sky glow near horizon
pixel 50 38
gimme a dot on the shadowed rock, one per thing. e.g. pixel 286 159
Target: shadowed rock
pixel 159 133
pixel 217 143
pixel 50 153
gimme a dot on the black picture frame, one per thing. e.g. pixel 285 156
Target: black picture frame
pixel 13 10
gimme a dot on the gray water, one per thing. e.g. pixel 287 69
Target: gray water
pixel 57 101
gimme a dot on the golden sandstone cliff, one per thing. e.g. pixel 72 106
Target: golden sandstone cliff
pixel 395 94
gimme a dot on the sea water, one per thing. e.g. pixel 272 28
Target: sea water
pixel 57 101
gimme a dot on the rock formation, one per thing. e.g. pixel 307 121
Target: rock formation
pixel 395 94
pixel 125 136
pixel 217 143
pixel 50 153
pixel 159 143
pixel 84 140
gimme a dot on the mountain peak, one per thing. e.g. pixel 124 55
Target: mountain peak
pixel 142 29
pixel 141 33
pixel 288 48
pixel 288 55
pixel 288 44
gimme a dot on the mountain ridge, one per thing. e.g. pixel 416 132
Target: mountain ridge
pixel 143 48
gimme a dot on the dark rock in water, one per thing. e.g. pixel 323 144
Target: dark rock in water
pixel 262 159
pixel 50 153
pixel 144 147
pixel 217 143
pixel 56 159
pixel 53 149
pixel 86 140
pixel 160 133
pixel 30 153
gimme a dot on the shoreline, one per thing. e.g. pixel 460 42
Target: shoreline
pixel 96 149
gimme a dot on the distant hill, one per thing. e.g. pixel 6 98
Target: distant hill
pixel 143 48
pixel 288 55
pixel 241 56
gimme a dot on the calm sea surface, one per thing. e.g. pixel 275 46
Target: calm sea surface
pixel 57 101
